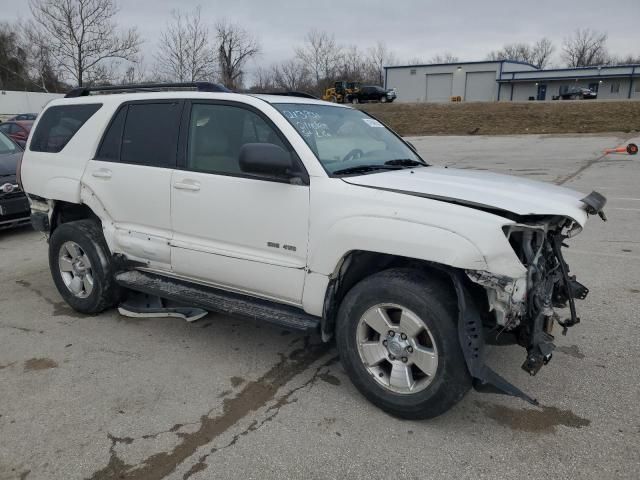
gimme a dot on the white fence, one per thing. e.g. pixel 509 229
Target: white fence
pixel 13 103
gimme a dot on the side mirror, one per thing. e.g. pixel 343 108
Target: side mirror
pixel 265 159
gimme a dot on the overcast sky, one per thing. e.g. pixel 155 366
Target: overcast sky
pixel 411 28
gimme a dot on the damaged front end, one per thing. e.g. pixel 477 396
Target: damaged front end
pixel 527 306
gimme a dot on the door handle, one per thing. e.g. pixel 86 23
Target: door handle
pixel 101 173
pixel 187 185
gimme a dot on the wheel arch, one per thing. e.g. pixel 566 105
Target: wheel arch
pixel 64 212
pixel 356 265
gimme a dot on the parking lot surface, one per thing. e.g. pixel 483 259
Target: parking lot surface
pixel 113 397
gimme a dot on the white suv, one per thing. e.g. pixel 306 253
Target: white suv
pixel 309 215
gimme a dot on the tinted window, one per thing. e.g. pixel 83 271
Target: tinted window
pixel 110 147
pixel 151 134
pixel 58 125
pixel 218 132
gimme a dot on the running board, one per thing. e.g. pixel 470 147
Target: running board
pixel 218 300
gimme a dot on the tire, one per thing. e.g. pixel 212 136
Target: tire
pixel 354 100
pixel 433 302
pixel 77 250
pixel 383 99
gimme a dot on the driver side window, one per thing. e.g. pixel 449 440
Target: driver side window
pixel 218 132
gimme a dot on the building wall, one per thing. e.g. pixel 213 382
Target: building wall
pixel 468 81
pixel 523 90
pixel 12 103
pixel 411 82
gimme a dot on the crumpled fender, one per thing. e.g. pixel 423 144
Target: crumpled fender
pixel 409 239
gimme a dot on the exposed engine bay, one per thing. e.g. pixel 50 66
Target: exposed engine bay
pixel 527 307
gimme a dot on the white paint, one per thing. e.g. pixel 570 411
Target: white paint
pixel 218 232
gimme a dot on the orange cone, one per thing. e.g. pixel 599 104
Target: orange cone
pixel 631 149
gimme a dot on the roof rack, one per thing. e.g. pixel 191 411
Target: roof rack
pixel 145 87
pixel 290 94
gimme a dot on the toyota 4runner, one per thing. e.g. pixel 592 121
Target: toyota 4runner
pixel 310 215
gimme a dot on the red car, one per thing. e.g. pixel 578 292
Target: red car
pixel 18 130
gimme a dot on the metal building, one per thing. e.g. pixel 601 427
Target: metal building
pixel 507 80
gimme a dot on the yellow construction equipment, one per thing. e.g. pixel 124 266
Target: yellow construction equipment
pixel 341 92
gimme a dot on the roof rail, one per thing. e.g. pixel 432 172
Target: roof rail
pixel 142 87
pixel 290 94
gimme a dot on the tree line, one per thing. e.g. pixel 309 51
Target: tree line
pixel 78 42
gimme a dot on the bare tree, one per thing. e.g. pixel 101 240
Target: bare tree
pixel 416 61
pixel 379 57
pixel 235 47
pixel 291 75
pixel 585 48
pixel 185 54
pixel 541 53
pixel 135 73
pixel 322 55
pixel 538 54
pixel 82 35
pixel 626 60
pixel 352 64
pixel 264 79
pixel 446 57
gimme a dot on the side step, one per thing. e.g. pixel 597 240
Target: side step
pixel 218 300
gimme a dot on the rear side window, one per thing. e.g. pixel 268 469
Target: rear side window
pixel 150 135
pixel 110 147
pixel 59 124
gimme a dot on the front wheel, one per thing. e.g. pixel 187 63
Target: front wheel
pixel 398 341
pixel 383 99
pixel 81 267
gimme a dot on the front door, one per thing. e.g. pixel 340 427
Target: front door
pixel 237 231
pixel 542 92
pixel 130 179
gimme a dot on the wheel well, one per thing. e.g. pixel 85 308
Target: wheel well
pixel 359 264
pixel 64 212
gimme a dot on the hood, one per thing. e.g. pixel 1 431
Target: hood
pixel 9 163
pixel 479 189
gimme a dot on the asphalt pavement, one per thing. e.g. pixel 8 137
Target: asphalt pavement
pixel 106 397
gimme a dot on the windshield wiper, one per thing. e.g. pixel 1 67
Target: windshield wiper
pixel 366 168
pixel 405 162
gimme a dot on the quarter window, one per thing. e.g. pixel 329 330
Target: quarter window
pixel 218 132
pixel 59 124
pixel 110 147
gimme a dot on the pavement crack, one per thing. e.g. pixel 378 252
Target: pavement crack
pixel 253 396
pixel 271 412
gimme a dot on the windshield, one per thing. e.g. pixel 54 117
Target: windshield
pixel 346 140
pixel 7 146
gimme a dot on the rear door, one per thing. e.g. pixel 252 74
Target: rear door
pixel 130 177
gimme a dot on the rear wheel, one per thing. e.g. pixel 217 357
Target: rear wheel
pixel 81 267
pixel 355 100
pixel 398 341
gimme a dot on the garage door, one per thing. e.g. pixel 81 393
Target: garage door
pixel 480 87
pixel 439 87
